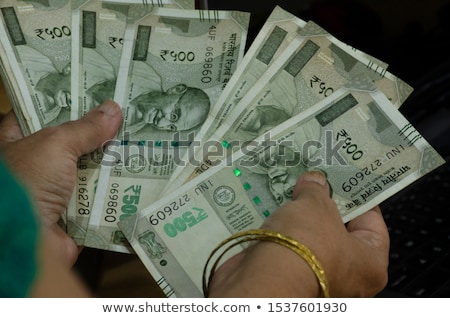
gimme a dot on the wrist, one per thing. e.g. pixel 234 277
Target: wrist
pixel 275 266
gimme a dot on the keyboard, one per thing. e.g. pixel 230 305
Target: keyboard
pixel 418 220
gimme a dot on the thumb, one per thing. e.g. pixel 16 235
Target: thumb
pixel 312 182
pixel 9 128
pixel 94 129
pixel 310 209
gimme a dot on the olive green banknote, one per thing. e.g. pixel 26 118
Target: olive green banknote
pixel 174 66
pixel 98 30
pixel 280 29
pixel 36 36
pixel 356 136
pixel 311 68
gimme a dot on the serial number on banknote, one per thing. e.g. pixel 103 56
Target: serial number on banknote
pixel 172 207
pixel 128 204
pixel 83 197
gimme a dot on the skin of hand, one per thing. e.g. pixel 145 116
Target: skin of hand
pixel 354 255
pixel 46 163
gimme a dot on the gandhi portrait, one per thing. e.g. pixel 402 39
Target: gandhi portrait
pixel 178 108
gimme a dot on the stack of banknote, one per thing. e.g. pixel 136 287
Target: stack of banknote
pixel 212 140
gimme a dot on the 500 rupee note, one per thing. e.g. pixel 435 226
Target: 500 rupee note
pixel 367 149
pixel 279 31
pixel 98 34
pixel 36 36
pixel 174 66
pixel 276 34
pixel 309 70
pixel 12 90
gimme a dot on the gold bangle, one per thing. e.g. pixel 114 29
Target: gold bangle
pixel 271 236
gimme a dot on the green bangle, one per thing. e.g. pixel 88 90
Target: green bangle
pixel 271 236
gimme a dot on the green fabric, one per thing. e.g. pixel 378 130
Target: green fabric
pixel 18 238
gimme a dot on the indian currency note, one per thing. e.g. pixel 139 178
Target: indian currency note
pixel 306 74
pixel 367 149
pixel 36 36
pixel 12 90
pixel 307 71
pixel 276 34
pixel 98 31
pixel 174 66
pixel 98 34
pixel 97 39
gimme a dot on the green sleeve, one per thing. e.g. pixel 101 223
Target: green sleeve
pixel 18 238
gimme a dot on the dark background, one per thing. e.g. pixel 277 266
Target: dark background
pixel 411 35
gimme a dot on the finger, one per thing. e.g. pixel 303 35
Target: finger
pixel 93 130
pixel 371 227
pixel 314 209
pixel 10 128
pixel 370 234
pixel 310 205
pixel 371 220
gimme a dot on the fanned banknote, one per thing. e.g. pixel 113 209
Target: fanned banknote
pixel 98 33
pixel 311 68
pixel 36 40
pixel 16 100
pixel 367 149
pixel 36 36
pixel 98 29
pixel 277 33
pixel 174 66
pixel 97 39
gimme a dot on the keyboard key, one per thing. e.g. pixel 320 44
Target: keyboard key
pixel 428 283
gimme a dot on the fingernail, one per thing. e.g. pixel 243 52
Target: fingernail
pixel 316 176
pixel 109 107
